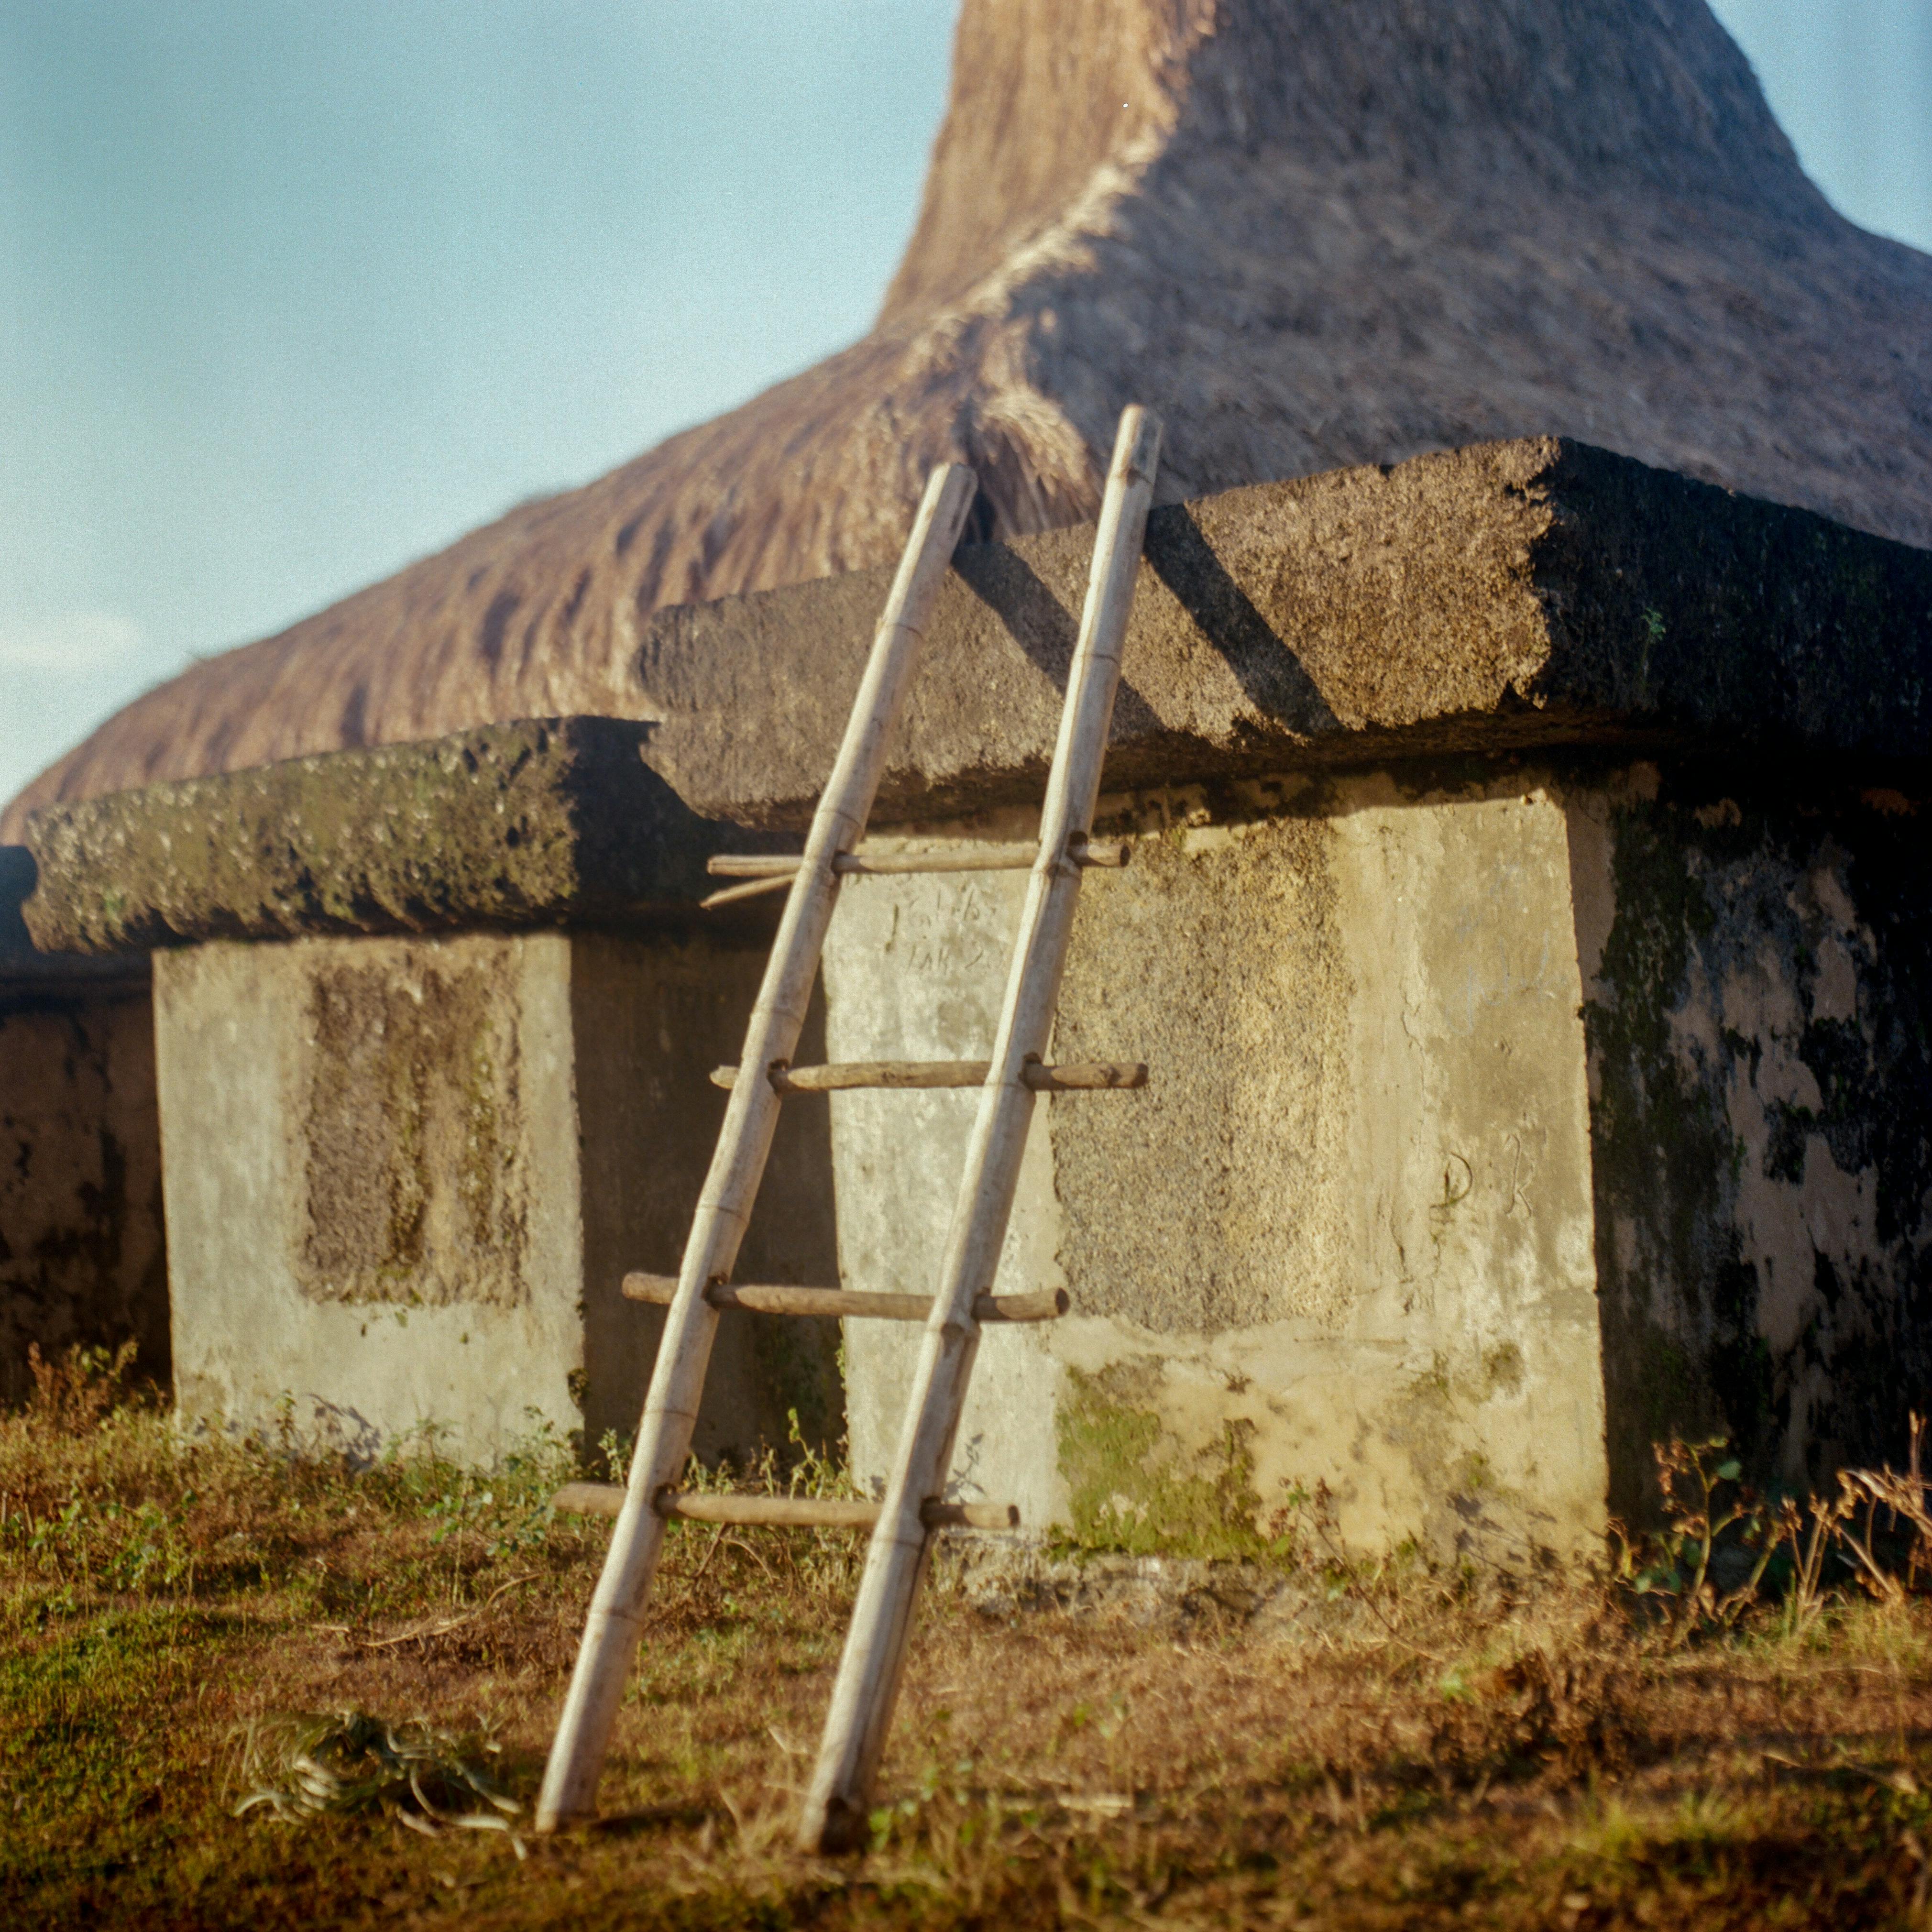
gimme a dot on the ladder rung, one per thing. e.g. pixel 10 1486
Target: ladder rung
pixel 751 889
pixel 780 1512
pixel 965 857
pixel 770 872
pixel 1087 1077
pixel 659 1290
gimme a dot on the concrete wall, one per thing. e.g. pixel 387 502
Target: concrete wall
pixel 1346 1235
pixel 1431 1060
pixel 405 1177
pixel 1502 1122
pixel 82 1250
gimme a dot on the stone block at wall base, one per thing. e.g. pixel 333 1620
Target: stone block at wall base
pixel 405 1177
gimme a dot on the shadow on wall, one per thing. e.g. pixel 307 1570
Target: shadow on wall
pixel 649 1046
pixel 1761 1126
pixel 83 1254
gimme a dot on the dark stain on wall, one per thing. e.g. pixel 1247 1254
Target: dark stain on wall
pixel 649 1030
pixel 83 1257
pixel 1764 1239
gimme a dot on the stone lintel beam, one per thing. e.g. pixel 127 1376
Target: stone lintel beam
pixel 1514 596
pixel 28 973
pixel 1509 596
pixel 539 822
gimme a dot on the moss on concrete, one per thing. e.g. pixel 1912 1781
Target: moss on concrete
pixel 1535 593
pixel 533 823
pixel 1679 1304
pixel 1131 1487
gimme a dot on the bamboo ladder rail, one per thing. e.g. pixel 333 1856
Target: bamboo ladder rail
pixel 839 1804
pixel 614 1626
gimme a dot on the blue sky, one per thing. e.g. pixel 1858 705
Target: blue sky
pixel 292 291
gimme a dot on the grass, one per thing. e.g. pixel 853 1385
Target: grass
pixel 185 1623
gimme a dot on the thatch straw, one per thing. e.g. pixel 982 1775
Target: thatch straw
pixel 1309 235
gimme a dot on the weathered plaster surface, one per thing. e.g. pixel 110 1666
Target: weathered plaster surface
pixel 82 1251
pixel 419 1180
pixel 1436 1056
pixel 405 1178
pixel 1345 1236
pixel 1501 1125
pixel 1759 977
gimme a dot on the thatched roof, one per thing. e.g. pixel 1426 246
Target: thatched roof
pixel 1310 236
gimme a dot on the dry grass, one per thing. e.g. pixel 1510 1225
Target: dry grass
pixel 1416 1750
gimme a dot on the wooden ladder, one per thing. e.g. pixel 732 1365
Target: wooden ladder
pixel 838 1806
